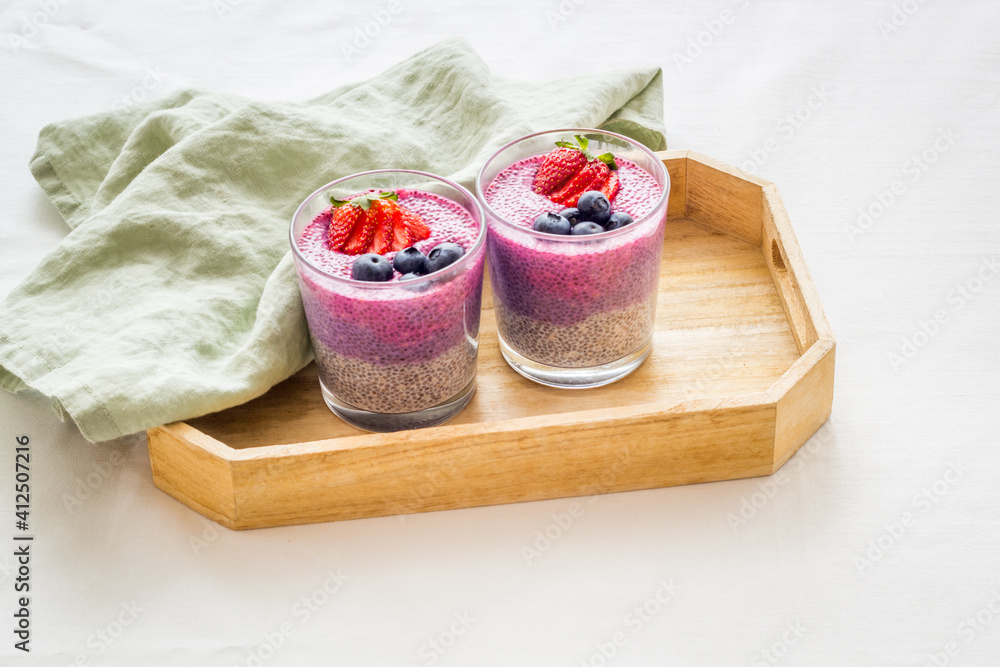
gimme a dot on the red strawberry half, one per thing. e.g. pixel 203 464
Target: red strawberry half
pixel 557 168
pixel 385 214
pixel 418 228
pixel 373 222
pixel 571 170
pixel 342 222
pixel 401 236
pixel 611 188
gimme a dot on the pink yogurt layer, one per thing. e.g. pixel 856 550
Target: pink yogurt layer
pixel 395 322
pixel 564 280
pixel 511 196
pixel 448 222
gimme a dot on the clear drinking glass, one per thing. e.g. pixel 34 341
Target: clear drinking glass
pixel 401 354
pixel 576 311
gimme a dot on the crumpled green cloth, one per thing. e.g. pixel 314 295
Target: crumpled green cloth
pixel 174 295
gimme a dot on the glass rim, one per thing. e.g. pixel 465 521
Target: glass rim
pixel 583 238
pixel 451 268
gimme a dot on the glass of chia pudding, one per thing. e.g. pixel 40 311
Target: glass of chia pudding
pixel 390 267
pixel 576 220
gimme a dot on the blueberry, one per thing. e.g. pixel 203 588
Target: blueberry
pixel 419 287
pixel 551 223
pixel 410 260
pixel 587 228
pixel 442 255
pixel 571 214
pixel 618 220
pixel 594 206
pixel 371 267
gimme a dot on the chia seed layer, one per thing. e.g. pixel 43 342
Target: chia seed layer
pixel 573 301
pixel 599 339
pixel 395 388
pixel 396 346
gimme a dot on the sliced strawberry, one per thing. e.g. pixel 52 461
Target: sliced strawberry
pixel 572 169
pixel 592 177
pixel 401 237
pixel 611 188
pixel 357 242
pixel 372 222
pixel 417 228
pixel 342 222
pixel 574 185
pixel 385 215
pixel 558 167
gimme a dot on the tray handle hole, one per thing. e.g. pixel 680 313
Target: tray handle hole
pixel 776 259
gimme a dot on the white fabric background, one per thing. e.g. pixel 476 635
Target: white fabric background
pixel 206 596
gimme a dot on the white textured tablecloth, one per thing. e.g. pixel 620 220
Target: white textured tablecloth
pixel 880 123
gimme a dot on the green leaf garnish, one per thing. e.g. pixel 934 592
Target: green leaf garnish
pixel 365 200
pixel 581 145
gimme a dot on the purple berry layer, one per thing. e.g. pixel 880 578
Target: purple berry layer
pixel 396 346
pixel 410 324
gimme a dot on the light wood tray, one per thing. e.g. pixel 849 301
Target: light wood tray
pixel 740 376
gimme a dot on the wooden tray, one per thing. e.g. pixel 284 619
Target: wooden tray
pixel 740 376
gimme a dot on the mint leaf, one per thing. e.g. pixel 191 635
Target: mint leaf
pixel 365 200
pixel 608 159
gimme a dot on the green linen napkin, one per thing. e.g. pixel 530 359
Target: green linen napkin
pixel 174 295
